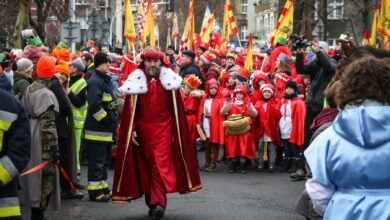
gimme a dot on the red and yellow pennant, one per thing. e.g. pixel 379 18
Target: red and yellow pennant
pixel 249 56
pixel 187 39
pixel 141 21
pixel 375 26
pixel 366 37
pixel 284 27
pixel 208 29
pixel 149 36
pixel 175 29
pixel 129 32
pixel 229 24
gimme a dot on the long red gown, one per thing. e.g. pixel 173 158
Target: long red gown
pixel 191 106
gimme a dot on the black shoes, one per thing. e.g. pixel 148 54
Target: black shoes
pixel 71 195
pixel 211 168
pixel 99 198
pixel 156 212
pixel 260 168
pixel 233 167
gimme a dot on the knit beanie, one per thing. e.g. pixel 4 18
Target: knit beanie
pixel 45 67
pixel 78 64
pixel 100 58
pixel 24 65
pixel 267 87
pixel 62 67
pixel 292 84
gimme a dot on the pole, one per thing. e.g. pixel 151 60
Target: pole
pixel 239 41
pixel 353 30
pixel 72 9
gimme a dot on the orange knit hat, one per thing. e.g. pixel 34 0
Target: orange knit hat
pixel 62 67
pixel 45 67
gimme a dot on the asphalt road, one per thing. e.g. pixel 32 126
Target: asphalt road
pixel 224 196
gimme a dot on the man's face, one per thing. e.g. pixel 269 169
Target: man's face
pixel 186 59
pixel 72 70
pixel 104 68
pixel 152 66
pixel 213 91
pixel 229 61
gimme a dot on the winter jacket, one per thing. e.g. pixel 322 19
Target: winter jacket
pixel 21 83
pixel 191 68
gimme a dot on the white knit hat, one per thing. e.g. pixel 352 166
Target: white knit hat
pixel 24 65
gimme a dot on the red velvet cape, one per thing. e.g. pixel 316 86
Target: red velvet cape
pixel 268 121
pixel 298 114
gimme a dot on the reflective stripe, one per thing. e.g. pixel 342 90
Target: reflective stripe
pixel 106 97
pixel 1 139
pixel 8 170
pixel 9 201
pixel 78 86
pixel 11 211
pixel 82 108
pixel 104 184
pixel 6 119
pixel 78 118
pixel 93 185
pixel 98 136
pixel 100 114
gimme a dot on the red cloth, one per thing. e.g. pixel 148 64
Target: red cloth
pixel 227 92
pixel 268 121
pixel 280 85
pixel 298 114
pixel 191 106
pixel 275 54
pixel 157 194
pixel 325 116
pixel 225 75
pixel 128 66
pixel 256 88
pixel 157 132
pixel 211 73
pixel 240 145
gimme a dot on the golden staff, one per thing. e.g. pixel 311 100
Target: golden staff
pixel 178 131
pixel 265 155
pixel 134 105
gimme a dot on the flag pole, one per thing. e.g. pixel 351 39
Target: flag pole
pixel 239 41
pixel 132 43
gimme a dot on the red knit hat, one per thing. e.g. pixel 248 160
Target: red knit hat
pixel 45 67
pixel 207 57
pixel 241 88
pixel 62 67
pixel 267 87
pixel 243 73
pixel 192 81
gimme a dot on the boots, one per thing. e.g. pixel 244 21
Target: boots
pixel 211 168
pixel 243 167
pixel 271 167
pixel 300 173
pixel 260 167
pixel 205 166
pixel 286 164
pixel 37 214
pixel 293 167
pixel 98 196
pixel 233 167
pixel 156 212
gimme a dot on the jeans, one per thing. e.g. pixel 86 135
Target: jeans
pixel 290 149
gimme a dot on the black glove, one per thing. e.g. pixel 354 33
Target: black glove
pixel 55 154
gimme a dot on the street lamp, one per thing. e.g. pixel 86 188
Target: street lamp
pixel 320 31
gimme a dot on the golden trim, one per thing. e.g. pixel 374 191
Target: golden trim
pixel 128 139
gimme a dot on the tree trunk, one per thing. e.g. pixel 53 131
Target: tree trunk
pixel 22 23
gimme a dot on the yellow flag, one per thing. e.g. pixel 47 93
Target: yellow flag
pixel 249 56
pixel 229 26
pixel 284 27
pixel 149 37
pixel 375 26
pixel 208 29
pixel 187 39
pixel 384 23
pixel 129 32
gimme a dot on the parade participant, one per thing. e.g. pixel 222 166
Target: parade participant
pixel 155 154
pixel 79 104
pixel 191 100
pixel 188 66
pixel 267 127
pixel 282 74
pixel 228 91
pixel 170 53
pixel 281 47
pixel 203 47
pixel 229 68
pixel 40 190
pixel 22 77
pixel 259 80
pixel 291 126
pixel 65 128
pixel 15 144
pixel 100 125
pixel 240 146
pixel 208 67
pixel 242 77
pixel 210 119
pixel 349 160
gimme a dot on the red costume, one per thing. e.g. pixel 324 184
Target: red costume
pixel 298 114
pixel 256 88
pixel 280 84
pixel 164 162
pixel 242 145
pixel 275 55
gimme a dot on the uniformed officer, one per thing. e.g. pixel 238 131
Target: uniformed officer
pixel 15 144
pixel 100 126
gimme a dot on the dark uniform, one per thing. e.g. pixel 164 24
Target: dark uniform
pixel 15 143
pixel 100 126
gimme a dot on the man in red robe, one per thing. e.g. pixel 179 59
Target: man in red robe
pixel 155 152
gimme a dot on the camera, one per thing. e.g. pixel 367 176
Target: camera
pixel 299 41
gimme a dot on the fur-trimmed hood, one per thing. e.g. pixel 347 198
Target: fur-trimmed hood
pixel 136 83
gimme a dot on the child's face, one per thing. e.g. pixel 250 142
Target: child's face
pixel 239 95
pixel 306 81
pixel 267 95
pixel 213 91
pixel 231 81
pixel 289 91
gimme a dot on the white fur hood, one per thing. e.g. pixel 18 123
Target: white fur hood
pixel 136 83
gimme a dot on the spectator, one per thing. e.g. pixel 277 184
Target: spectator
pixel 189 66
pixel 23 77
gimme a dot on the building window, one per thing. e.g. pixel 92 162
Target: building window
pixel 103 3
pixel 244 6
pixel 243 32
pixel 335 9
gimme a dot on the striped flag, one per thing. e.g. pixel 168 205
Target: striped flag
pixel 175 28
pixel 384 24
pixel 206 17
pixel 229 27
pixel 129 32
pixel 284 27
pixel 249 55
pixel 366 37
pixel 149 36
pixel 187 39
pixel 141 20
pixel 375 26
pixel 208 29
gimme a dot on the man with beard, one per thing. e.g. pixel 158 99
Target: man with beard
pixel 155 152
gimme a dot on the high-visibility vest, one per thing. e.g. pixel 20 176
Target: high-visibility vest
pixel 79 114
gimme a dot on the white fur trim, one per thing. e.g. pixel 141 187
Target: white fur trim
pixel 169 79
pixel 135 83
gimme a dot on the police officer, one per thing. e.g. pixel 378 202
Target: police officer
pixel 100 126
pixel 15 143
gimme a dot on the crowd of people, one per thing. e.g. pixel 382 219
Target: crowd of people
pixel 58 107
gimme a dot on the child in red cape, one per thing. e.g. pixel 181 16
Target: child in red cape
pixel 267 127
pixel 239 148
pixel 291 125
